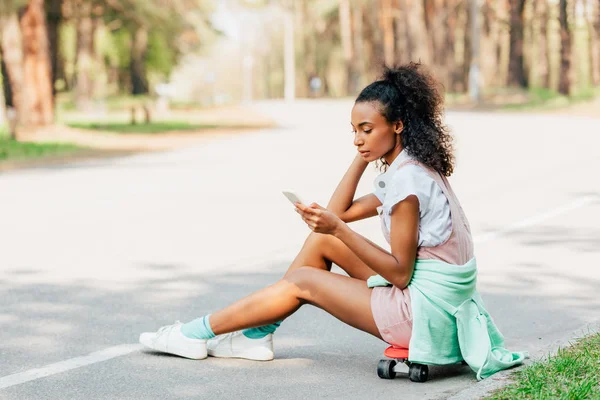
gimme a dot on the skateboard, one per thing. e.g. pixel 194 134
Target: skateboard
pixel 387 369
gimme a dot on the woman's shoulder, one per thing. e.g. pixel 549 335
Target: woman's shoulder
pixel 412 171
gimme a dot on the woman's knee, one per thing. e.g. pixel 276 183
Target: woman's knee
pixel 313 253
pixel 303 279
pixel 318 240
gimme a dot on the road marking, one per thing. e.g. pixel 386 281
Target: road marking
pixel 72 363
pixel 121 350
pixel 529 222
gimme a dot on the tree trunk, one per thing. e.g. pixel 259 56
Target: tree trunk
pixel 11 45
pixel 137 66
pixel 543 57
pixel 405 42
pixel 597 34
pixel 84 56
pixel 418 29
pixel 433 16
pixel 346 39
pixel 516 70
pixel 54 18
pixel 459 24
pixel 358 70
pixel 349 42
pixel 449 42
pixel 387 27
pixel 37 93
pixel 564 84
pixel 467 49
pixel 7 108
pixel 593 17
pixel 7 94
pixel 373 41
pixel 489 44
pixel 305 28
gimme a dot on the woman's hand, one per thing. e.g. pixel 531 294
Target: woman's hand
pixel 319 219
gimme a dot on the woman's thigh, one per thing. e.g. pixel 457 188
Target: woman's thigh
pixel 348 299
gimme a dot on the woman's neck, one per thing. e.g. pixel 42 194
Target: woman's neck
pixel 391 156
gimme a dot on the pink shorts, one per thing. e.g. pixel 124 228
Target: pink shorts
pixel 392 313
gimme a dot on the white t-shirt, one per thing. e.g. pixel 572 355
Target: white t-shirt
pixel 394 185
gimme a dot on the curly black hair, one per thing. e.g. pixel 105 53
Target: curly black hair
pixel 409 94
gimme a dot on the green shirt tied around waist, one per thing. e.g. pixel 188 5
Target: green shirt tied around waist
pixel 450 322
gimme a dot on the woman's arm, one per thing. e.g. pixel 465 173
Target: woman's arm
pixel 396 267
pixel 342 197
pixel 361 208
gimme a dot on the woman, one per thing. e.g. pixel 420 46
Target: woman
pixel 425 284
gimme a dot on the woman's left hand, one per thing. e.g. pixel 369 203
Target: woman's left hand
pixel 319 219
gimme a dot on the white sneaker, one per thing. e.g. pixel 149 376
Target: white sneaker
pixel 169 339
pixel 237 345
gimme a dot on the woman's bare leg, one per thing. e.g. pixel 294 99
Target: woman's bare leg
pixel 346 298
pixel 320 251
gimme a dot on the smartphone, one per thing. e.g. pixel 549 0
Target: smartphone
pixel 293 197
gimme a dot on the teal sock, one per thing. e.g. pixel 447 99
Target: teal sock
pixel 261 331
pixel 198 329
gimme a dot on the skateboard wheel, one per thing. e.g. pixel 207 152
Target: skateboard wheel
pixel 385 369
pixel 418 372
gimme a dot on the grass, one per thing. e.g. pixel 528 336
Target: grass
pixel 13 150
pixel 574 373
pixel 533 99
pixel 66 102
pixel 541 98
pixel 153 127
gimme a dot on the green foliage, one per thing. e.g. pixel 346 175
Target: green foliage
pixel 140 127
pixel 574 373
pixel 160 58
pixel 11 149
pixel 543 98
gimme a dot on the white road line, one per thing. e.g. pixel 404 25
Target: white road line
pixel 72 363
pixel 529 222
pixel 121 350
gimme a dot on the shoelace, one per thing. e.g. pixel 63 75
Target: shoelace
pixel 220 338
pixel 164 330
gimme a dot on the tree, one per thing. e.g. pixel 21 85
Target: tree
pixel 11 49
pixel 84 60
pixel 358 70
pixel 54 18
pixel 592 19
pixel 139 48
pixel 541 8
pixel 350 39
pixel 449 42
pixel 37 102
pixel 387 27
pixel 516 70
pixel 564 83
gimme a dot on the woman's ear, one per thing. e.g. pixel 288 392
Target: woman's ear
pixel 398 127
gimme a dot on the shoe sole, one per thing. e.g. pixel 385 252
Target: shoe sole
pixel 181 353
pixel 254 355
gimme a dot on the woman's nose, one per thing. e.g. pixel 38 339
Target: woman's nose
pixel 358 140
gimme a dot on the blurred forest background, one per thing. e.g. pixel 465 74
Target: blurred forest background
pixel 89 56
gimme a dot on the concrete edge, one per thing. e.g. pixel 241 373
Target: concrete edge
pixel 503 378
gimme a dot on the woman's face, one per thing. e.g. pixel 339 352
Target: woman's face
pixel 374 136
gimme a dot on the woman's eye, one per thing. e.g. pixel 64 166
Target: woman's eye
pixel 368 131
